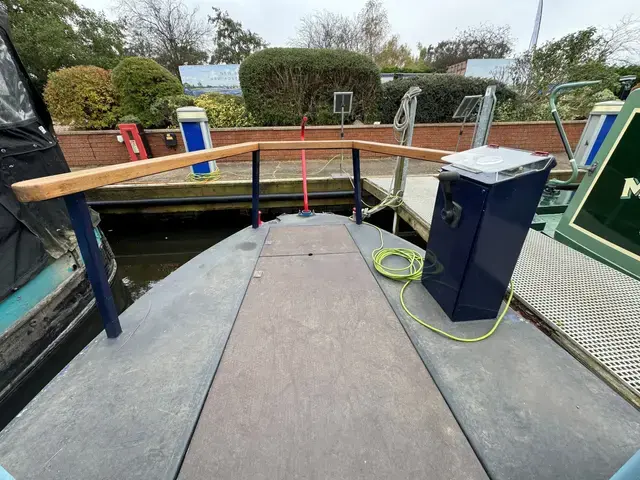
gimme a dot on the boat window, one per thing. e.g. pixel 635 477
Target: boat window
pixel 14 98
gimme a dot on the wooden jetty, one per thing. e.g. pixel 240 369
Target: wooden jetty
pixel 165 198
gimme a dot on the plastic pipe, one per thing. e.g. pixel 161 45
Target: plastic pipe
pixel 563 135
pixel 305 195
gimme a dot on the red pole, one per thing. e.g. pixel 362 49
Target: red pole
pixel 304 170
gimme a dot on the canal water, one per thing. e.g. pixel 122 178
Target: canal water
pixel 149 247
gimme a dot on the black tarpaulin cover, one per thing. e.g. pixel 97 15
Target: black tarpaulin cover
pixel 30 234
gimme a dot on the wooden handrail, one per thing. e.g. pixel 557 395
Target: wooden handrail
pixel 418 153
pixel 306 145
pixel 55 186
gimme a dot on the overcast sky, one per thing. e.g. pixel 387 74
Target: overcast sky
pixel 426 21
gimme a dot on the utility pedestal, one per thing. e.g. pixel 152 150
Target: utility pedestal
pixel 484 207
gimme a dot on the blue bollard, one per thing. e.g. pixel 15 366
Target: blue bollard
pixel 196 136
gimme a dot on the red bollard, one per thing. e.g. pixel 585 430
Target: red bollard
pixel 305 195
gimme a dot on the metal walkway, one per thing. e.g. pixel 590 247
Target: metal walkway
pixel 589 304
pixel 592 309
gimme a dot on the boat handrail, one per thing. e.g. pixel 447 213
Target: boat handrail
pixel 55 186
pixel 71 186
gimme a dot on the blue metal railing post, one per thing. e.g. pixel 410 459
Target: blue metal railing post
pixel 255 188
pixel 83 228
pixel 357 186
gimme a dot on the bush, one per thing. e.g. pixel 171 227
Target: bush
pixel 424 68
pixel 129 119
pixel 281 85
pixel 441 95
pixel 82 97
pixel 629 70
pixel 224 111
pixel 574 105
pixel 139 82
pixel 163 110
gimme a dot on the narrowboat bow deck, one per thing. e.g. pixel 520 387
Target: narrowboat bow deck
pixel 281 353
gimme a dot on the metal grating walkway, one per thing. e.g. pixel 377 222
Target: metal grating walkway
pixel 593 306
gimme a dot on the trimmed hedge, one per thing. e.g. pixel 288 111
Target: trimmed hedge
pixel 224 111
pixel 139 82
pixel 82 97
pixel 441 95
pixel 281 85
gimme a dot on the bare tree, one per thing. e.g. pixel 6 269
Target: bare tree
pixel 165 30
pixel 325 29
pixel 367 32
pixel 621 42
pixel 482 41
pixel 374 25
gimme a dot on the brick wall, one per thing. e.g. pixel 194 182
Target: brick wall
pixel 457 68
pixel 95 148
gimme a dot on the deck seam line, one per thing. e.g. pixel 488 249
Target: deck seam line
pixel 224 348
pixel 310 254
pixel 280 224
pixel 453 413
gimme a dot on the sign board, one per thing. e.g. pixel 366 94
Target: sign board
pixel 199 79
pixel 342 100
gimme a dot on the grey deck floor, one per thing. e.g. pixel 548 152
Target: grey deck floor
pixel 259 360
pixel 319 379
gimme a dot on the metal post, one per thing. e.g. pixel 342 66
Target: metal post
pixel 485 117
pixel 83 228
pixel 255 188
pixel 402 165
pixel 305 193
pixel 341 134
pixel 357 189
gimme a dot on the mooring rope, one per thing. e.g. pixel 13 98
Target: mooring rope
pixel 413 271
